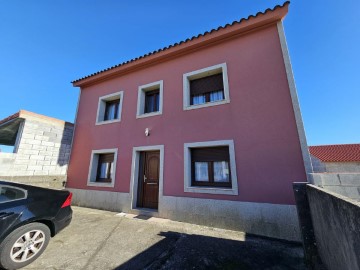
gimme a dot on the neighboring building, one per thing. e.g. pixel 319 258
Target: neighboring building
pixel 41 146
pixel 337 168
pixel 207 131
pixel 338 158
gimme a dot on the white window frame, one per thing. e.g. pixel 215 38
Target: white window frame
pixel 210 190
pixel 201 73
pixel 141 98
pixel 94 161
pixel 102 105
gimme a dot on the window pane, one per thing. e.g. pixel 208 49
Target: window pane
pixel 116 111
pixel 149 104
pixel 201 172
pixel 10 193
pixel 103 170
pixel 198 99
pixel 152 101
pixel 216 95
pixel 221 171
pixel 112 110
pixel 105 167
pixel 157 101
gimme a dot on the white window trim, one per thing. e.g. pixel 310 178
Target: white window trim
pixel 102 104
pixel 141 99
pixel 210 190
pixel 94 165
pixel 135 172
pixel 197 74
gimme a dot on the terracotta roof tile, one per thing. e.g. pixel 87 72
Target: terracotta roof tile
pixel 185 41
pixel 336 153
pixel 11 117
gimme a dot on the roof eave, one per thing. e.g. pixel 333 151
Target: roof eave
pixel 245 26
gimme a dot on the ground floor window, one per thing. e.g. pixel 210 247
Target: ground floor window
pixel 105 167
pixel 102 167
pixel 210 167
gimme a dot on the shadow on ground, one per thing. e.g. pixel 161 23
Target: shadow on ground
pixel 187 251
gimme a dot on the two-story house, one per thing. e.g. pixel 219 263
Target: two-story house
pixel 207 130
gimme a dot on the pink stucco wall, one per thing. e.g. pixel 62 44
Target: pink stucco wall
pixel 259 118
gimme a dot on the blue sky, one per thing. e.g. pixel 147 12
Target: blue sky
pixel 46 44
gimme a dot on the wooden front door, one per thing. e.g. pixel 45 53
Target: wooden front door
pixel 148 195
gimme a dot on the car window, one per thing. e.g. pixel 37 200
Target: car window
pixel 8 193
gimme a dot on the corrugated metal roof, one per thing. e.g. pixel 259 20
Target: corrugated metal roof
pixel 185 41
pixel 337 152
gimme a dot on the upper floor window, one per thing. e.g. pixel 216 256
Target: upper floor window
pixel 206 87
pixel 109 108
pixel 112 110
pixel 150 99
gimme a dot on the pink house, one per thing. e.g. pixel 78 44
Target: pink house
pixel 206 131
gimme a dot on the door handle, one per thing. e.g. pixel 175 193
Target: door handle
pixel 145 178
pixel 151 183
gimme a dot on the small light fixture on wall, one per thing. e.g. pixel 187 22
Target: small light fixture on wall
pixel 147 132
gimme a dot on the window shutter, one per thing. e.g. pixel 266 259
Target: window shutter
pixel 210 154
pixel 206 84
pixel 106 158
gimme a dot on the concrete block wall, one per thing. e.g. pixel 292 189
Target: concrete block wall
pixel 318 166
pixel 43 153
pixel 7 161
pixel 342 167
pixel 346 184
pixel 334 167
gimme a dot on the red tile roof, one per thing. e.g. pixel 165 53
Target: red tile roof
pixel 25 114
pixel 337 152
pixel 11 117
pixel 212 31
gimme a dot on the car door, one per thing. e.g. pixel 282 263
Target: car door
pixel 11 206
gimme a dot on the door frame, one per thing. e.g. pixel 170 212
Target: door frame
pixel 135 172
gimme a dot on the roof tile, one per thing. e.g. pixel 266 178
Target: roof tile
pixel 184 41
pixel 337 152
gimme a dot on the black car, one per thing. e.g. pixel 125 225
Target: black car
pixel 29 216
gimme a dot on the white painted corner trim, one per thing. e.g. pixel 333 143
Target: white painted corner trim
pixel 102 104
pixel 197 74
pixel 210 190
pixel 135 163
pixel 94 159
pixel 295 103
pixel 141 98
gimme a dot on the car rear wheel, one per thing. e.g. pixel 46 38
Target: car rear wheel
pixel 24 245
